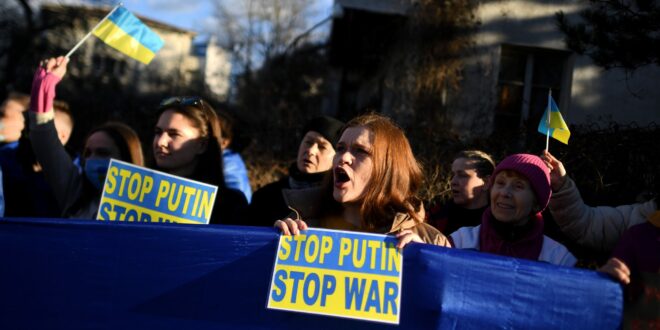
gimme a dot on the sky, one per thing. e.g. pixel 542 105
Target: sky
pixel 195 15
pixel 192 16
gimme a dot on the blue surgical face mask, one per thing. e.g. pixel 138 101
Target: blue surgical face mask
pixel 95 170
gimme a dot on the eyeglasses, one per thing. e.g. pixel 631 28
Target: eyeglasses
pixel 177 101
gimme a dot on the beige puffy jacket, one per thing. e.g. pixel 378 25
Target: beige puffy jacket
pixel 598 227
pixel 306 206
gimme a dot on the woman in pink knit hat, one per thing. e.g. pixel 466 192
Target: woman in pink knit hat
pixel 512 225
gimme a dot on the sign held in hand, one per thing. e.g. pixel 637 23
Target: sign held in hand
pixel 137 194
pixel 336 273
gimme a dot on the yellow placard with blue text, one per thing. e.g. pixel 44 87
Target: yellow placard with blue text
pixel 137 194
pixel 338 273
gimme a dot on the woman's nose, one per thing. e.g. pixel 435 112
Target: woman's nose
pixel 507 191
pixel 345 157
pixel 162 140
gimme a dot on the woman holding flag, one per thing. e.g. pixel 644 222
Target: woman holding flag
pixel 513 225
pixel 186 143
pixel 373 189
pixel 78 194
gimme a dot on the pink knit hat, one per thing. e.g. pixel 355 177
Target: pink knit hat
pixel 534 169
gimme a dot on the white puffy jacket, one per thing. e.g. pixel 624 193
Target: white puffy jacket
pixel 596 227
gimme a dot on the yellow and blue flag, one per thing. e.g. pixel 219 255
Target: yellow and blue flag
pixel 556 125
pixel 127 34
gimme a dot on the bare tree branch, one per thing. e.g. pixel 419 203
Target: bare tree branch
pixel 257 30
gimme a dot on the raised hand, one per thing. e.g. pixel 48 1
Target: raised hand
pixel 56 66
pixel 557 170
pixel 48 75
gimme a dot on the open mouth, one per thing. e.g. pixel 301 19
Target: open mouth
pixel 341 176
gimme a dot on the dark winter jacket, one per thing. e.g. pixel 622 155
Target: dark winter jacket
pixel 75 197
pixel 449 217
pixel 268 203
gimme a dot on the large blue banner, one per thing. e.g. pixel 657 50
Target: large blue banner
pixel 67 274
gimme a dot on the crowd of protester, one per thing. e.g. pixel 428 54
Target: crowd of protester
pixel 358 176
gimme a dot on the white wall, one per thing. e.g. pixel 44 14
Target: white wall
pixel 217 69
pixel 594 92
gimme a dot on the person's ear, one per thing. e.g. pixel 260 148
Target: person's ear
pixel 225 143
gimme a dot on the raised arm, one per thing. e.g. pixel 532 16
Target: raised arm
pixel 597 227
pixel 61 173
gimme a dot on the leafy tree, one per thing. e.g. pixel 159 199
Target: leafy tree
pixel 616 33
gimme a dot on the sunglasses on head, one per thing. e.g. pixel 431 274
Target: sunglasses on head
pixel 181 101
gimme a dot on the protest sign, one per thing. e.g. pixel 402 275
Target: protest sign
pixel 138 194
pixel 336 273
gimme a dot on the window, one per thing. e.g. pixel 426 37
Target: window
pixel 526 74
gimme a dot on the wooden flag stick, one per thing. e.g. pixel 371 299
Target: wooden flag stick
pixel 90 32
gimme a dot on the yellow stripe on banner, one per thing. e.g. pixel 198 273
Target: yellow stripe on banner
pixel 375 298
pixel 115 37
pixel 107 207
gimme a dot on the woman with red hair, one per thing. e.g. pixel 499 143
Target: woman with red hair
pixel 375 179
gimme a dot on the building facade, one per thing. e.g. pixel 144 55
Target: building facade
pixel 518 56
pixel 178 68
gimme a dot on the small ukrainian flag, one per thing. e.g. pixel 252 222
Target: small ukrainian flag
pixel 127 34
pixel 556 124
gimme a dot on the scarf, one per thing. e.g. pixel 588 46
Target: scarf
pixel 506 239
pixel 300 180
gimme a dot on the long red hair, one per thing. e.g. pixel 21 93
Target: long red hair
pixel 396 176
